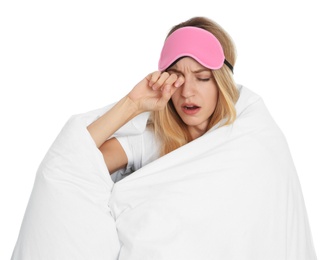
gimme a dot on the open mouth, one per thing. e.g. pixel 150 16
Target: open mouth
pixel 191 107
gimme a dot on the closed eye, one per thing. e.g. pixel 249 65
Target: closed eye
pixel 203 79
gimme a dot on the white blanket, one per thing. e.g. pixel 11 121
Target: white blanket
pixel 231 194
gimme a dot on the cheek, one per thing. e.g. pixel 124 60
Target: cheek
pixel 175 97
pixel 212 94
pixel 215 96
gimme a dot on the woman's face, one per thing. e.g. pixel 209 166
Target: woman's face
pixel 196 99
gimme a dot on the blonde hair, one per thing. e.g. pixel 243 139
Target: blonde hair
pixel 167 124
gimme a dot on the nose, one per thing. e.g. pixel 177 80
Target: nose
pixel 187 89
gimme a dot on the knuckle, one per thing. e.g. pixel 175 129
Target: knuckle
pixel 165 73
pixel 174 76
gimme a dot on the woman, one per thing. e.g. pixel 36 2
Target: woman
pixel 193 91
pixel 231 194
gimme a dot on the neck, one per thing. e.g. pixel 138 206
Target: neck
pixel 196 132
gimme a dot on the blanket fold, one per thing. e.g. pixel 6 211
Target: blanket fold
pixel 231 194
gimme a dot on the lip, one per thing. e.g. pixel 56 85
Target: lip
pixel 190 108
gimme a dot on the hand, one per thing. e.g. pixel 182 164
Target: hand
pixel 155 90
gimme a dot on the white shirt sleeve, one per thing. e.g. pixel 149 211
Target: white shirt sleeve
pixel 140 150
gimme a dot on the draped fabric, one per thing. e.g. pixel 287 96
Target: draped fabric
pixel 231 194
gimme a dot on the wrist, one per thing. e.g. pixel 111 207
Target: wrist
pixel 131 107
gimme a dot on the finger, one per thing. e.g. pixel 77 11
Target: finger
pixel 153 77
pixel 171 79
pixel 166 93
pixel 179 82
pixel 160 81
pixel 172 90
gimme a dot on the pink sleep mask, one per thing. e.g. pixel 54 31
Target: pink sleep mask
pixel 196 43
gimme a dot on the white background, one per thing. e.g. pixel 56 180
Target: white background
pixel 59 58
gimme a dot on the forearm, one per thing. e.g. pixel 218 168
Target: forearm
pixel 150 94
pixel 112 120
